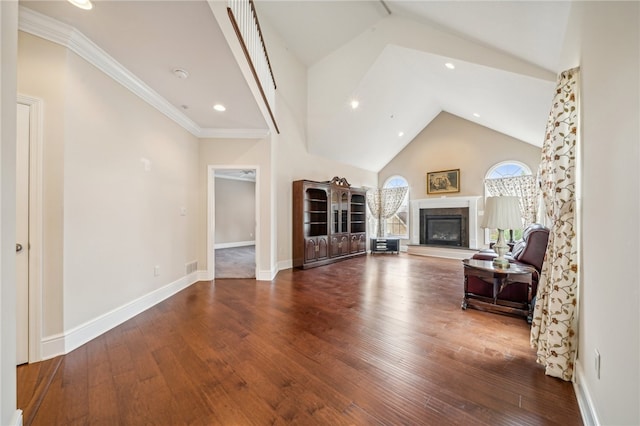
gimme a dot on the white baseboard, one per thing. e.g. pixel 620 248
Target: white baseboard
pixel 285 264
pixel 16 419
pixel 61 344
pixel 236 244
pixel 266 275
pixel 205 275
pixel 585 402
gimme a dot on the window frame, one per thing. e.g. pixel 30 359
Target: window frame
pixel 492 169
pixel 405 204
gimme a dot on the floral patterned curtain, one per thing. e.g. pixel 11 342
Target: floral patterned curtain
pixel 385 202
pixel 524 187
pixel 554 327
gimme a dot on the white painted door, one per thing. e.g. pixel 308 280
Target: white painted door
pixel 22 235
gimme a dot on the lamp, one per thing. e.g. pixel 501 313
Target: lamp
pixel 502 213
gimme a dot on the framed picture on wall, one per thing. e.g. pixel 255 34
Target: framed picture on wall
pixel 443 182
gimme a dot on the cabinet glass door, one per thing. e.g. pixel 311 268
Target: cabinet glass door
pixel 344 204
pixel 335 212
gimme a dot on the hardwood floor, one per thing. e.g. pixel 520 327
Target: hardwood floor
pixel 371 340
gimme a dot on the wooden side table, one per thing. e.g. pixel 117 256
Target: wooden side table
pixel 500 278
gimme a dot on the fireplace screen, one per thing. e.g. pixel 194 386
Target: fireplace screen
pixel 444 227
pixel 444 231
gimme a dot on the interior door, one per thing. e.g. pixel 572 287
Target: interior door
pixel 22 235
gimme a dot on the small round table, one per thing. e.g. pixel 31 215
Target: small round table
pixel 501 278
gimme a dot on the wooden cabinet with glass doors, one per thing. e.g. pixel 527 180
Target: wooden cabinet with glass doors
pixel 329 222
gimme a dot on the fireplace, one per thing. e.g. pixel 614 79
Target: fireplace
pixel 470 204
pixel 444 227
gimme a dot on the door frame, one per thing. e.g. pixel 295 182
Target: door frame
pixel 34 244
pixel 211 215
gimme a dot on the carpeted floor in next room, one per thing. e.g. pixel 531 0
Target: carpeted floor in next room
pixel 236 262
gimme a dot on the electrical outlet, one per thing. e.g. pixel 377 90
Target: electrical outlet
pixel 597 364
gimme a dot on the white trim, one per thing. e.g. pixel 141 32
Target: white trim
pixel 53 346
pixel 219 176
pixel 407 201
pixel 65 35
pixel 585 402
pixel 35 223
pixel 211 212
pixel 285 264
pixel 17 419
pixel 502 163
pixel 236 244
pixel 266 275
pixel 445 202
pixel 204 276
pixel 72 339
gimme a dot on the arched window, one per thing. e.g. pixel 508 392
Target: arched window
pixel 397 226
pixel 506 169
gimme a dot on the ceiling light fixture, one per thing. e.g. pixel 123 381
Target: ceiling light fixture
pixel 354 104
pixel 219 107
pixel 401 134
pixel 450 65
pixel 180 73
pixel 475 114
pixel 82 4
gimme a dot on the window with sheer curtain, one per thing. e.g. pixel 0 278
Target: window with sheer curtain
pixel 397 226
pixel 515 179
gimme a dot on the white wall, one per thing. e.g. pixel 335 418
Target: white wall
pixel 8 35
pixel 34 55
pixel 235 210
pixel 108 221
pixel 333 79
pixel 291 159
pixel 120 220
pixel 606 40
pixel 238 153
pixel 450 142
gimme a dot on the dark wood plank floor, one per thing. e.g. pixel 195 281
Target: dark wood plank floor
pixel 373 340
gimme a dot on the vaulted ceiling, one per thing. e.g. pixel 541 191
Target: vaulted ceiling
pixel 393 54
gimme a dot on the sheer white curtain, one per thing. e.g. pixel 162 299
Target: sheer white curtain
pixel 384 203
pixel 523 187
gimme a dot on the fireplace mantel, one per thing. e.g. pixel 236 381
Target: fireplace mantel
pixel 446 202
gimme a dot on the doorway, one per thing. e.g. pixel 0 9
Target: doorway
pixel 28 229
pixel 234 222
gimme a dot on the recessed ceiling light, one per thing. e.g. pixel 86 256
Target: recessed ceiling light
pixel 82 4
pixel 450 65
pixel 180 73
pixel 219 107
pixel 401 134
pixel 475 114
pixel 354 104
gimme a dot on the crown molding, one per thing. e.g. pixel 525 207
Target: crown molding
pixel 65 35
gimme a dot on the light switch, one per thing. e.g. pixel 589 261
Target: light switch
pixel 146 164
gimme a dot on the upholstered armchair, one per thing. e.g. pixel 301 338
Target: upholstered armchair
pixel 528 251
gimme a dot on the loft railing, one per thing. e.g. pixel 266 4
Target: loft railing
pixel 244 19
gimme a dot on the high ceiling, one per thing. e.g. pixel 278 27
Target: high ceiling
pixel 506 56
